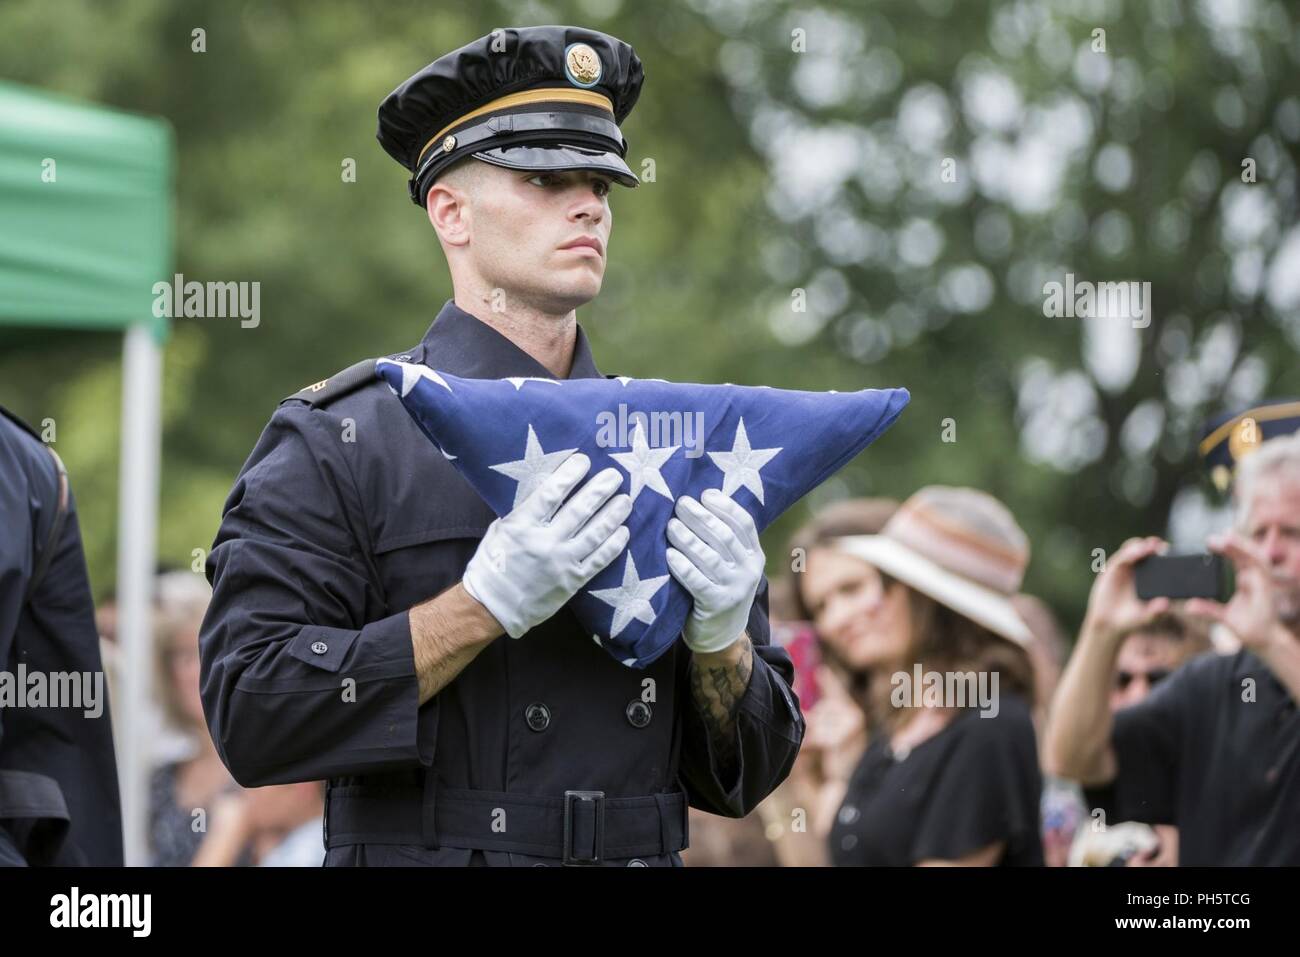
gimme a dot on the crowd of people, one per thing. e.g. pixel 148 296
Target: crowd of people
pixel 1169 736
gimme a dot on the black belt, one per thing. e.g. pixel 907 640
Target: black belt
pixel 582 827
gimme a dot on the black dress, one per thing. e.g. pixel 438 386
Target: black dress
pixel 973 783
pixel 172 835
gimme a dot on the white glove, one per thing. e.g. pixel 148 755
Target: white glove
pixel 719 561
pixel 533 560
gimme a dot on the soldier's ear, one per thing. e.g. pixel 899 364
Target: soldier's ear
pixel 449 213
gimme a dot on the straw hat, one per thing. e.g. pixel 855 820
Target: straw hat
pixel 960 547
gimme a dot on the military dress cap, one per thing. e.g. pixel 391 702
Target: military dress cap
pixel 1227 439
pixel 543 98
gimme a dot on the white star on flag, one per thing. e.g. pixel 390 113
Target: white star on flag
pixel 632 598
pixel 532 469
pixel 643 464
pixel 411 374
pixel 740 466
pixel 518 380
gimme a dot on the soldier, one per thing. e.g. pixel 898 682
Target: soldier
pixel 366 601
pixel 58 774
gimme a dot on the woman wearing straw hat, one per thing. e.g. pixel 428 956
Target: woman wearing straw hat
pixel 950 775
pixel 831 686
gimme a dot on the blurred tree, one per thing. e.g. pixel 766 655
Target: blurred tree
pixel 935 165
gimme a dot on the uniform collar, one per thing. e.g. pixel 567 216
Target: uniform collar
pixel 466 346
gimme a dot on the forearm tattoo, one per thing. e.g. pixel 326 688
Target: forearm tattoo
pixel 717 690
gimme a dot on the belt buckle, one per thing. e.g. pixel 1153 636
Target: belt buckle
pixel 599 798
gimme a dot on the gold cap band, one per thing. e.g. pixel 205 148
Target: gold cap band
pixel 559 94
pixel 1265 413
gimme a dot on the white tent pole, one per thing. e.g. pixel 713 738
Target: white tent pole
pixel 136 548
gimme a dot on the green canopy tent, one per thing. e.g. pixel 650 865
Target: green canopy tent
pixel 85 232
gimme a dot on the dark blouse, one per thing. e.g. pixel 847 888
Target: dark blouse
pixel 171 833
pixel 973 783
pixel 1221 765
pixel 172 837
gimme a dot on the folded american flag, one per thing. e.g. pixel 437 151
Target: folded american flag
pixel 764 447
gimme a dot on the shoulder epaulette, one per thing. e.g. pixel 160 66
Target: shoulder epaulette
pixel 12 417
pixel 343 383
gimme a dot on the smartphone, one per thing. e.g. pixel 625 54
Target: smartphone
pixel 1183 576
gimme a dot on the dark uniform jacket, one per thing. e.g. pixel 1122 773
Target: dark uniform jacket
pixel 342 519
pixel 58 774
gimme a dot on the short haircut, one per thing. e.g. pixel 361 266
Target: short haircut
pixel 464 175
pixel 1276 455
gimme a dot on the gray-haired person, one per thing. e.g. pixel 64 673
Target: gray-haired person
pixel 1215 749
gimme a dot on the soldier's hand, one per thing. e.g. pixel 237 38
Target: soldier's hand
pixel 533 560
pixel 718 559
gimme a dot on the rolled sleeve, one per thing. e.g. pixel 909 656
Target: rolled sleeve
pixel 769 729
pixel 304 673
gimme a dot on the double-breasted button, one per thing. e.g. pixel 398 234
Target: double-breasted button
pixel 538 716
pixel 638 713
pixel 319 647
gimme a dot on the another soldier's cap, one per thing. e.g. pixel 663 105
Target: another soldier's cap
pixel 543 98
pixel 1227 439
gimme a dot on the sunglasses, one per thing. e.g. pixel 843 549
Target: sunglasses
pixel 1153 677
